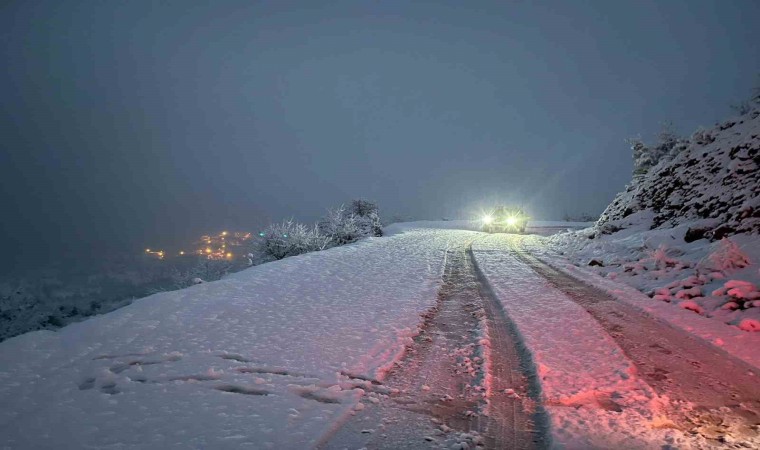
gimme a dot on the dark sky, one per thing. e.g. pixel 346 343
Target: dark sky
pixel 134 123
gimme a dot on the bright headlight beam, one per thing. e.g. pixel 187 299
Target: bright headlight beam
pixel 487 219
pixel 511 220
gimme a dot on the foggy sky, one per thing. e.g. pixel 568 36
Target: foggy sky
pixel 131 124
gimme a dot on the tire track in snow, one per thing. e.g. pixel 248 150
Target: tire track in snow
pixel 462 381
pixel 511 369
pixel 713 394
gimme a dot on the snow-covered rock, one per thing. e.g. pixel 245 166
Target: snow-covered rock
pixel 713 184
pixel 687 232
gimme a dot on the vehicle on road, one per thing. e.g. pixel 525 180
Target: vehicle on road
pixel 505 219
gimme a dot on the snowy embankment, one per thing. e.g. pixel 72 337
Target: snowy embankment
pixel 270 357
pixel 591 392
pixel 687 232
pixel 688 291
pixel 718 279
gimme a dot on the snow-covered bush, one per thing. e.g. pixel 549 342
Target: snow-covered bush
pixel 661 258
pixel 668 145
pixel 367 217
pixel 728 256
pixel 345 225
pixel 290 238
pixel 341 226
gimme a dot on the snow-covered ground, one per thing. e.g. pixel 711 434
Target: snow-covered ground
pixel 270 357
pixel 279 355
pixel 718 280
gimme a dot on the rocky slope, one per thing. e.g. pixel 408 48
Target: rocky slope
pixel 714 183
pixel 687 230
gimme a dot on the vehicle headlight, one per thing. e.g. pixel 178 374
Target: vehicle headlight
pixel 511 220
pixel 487 219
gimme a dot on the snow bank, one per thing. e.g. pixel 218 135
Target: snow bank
pixel 699 276
pixel 270 357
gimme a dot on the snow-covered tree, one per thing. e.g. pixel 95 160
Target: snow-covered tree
pixel 642 156
pixel 668 145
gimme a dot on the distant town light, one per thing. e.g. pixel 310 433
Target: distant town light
pixel 214 247
pixel 157 253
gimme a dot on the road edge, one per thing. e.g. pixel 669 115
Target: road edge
pixel 719 336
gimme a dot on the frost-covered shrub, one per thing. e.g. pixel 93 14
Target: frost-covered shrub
pixel 661 258
pixel 728 256
pixel 367 217
pixel 340 225
pixel 289 238
pixel 345 225
pixel 668 145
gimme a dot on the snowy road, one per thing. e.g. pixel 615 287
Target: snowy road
pixel 465 380
pixel 426 338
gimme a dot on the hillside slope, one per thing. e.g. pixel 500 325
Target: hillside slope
pixel 687 231
pixel 714 183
